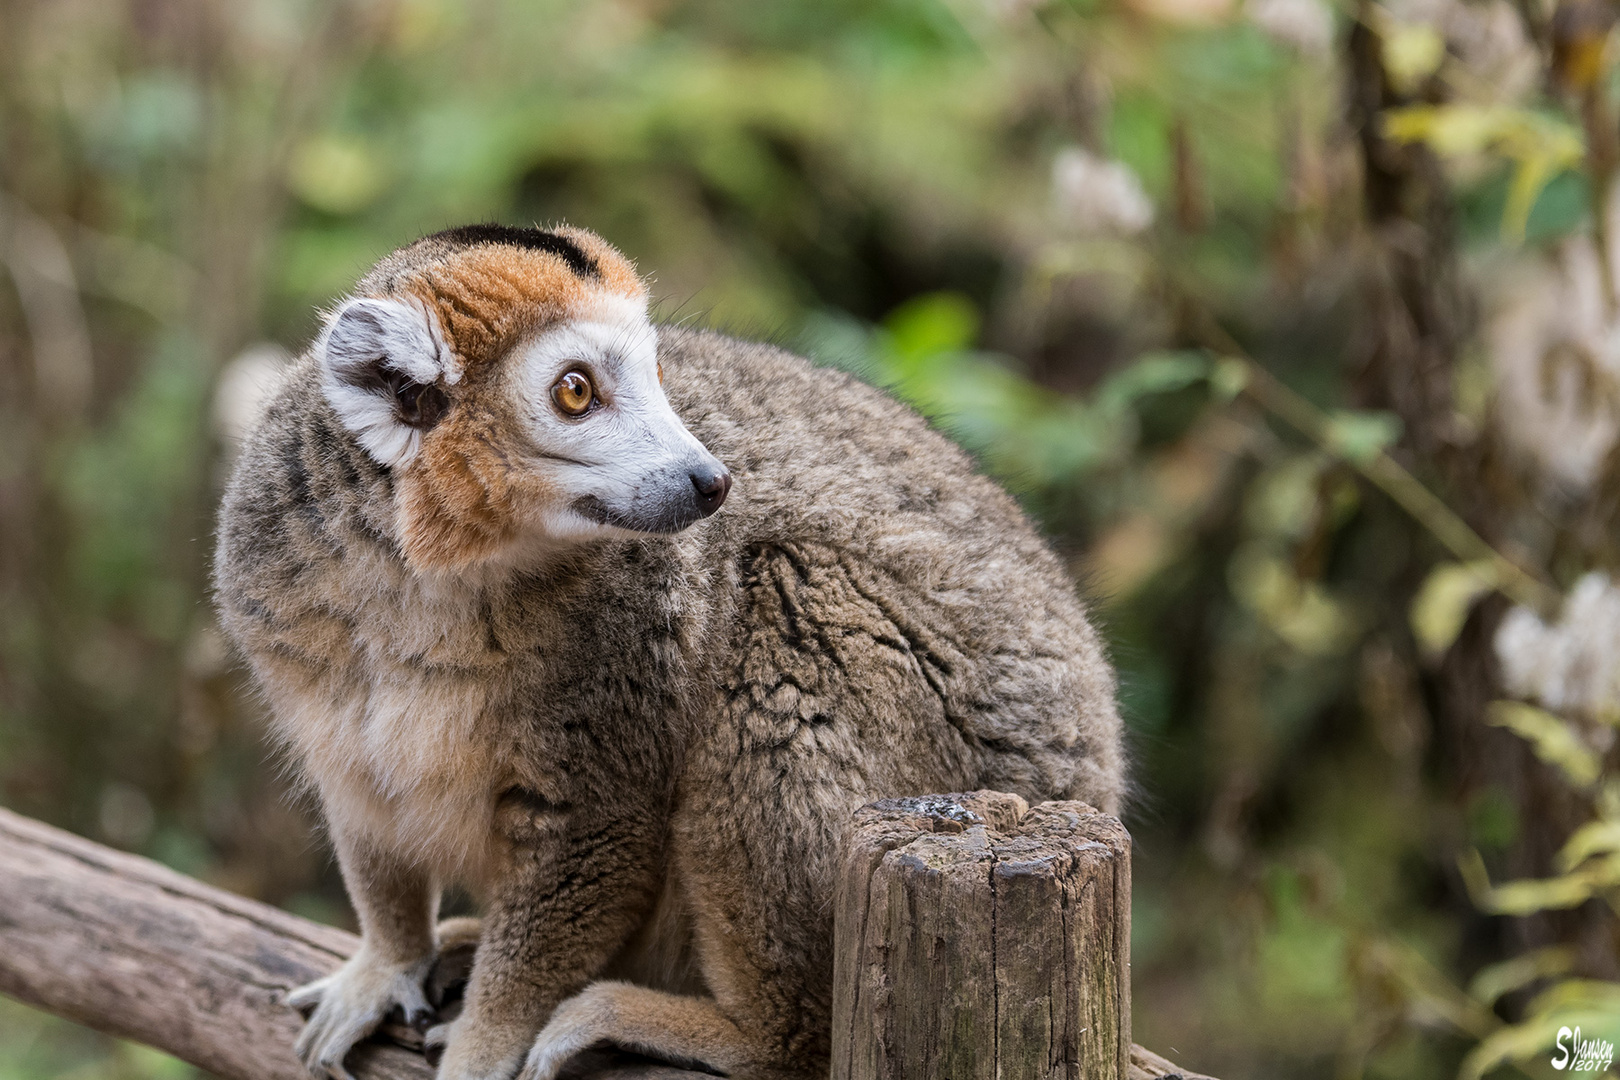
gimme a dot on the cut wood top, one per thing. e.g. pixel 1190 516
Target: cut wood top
pixel 980 938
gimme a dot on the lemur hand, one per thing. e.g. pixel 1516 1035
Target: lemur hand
pixel 350 1003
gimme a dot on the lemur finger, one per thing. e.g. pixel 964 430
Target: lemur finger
pixel 412 1000
pixel 338 1040
pixel 325 1038
pixel 312 1049
pixel 310 1038
pixel 306 997
pixel 331 1063
pixel 595 1014
pixel 436 1036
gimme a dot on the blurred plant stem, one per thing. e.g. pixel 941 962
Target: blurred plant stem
pixel 1580 66
pixel 1408 492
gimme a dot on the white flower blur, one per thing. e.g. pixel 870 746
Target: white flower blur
pixel 1094 195
pixel 1307 25
pixel 1571 665
pixel 244 389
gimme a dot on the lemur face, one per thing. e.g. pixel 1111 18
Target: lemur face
pixel 510 381
pixel 593 406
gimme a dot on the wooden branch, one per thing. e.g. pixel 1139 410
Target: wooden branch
pixel 134 949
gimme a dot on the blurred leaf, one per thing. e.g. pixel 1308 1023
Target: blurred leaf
pixel 1302 613
pixel 1540 145
pixel 1555 740
pixel 1283 501
pixel 1494 980
pixel 1152 373
pixel 1561 209
pixel 1584 994
pixel 1531 175
pixel 929 325
pixel 1493 818
pixel 1358 437
pixel 1528 896
pixel 1228 377
pixel 339 174
pixel 1593 838
pixel 1443 602
pixel 1518 1042
pixel 1412 52
pixel 1449 130
pixel 1426 992
pixel 1590 1006
pixel 1028 436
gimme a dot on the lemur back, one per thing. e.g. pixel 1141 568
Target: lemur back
pixel 525 648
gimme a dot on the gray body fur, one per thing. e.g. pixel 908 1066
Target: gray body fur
pixel 641 753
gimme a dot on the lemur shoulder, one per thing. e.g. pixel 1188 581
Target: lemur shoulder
pixel 476 557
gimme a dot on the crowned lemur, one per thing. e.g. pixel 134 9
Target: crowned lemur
pixel 614 625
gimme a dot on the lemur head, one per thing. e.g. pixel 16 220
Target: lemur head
pixel 509 379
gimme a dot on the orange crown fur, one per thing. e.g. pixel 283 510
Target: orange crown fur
pixel 491 286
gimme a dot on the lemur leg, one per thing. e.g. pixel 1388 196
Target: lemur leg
pixel 577 884
pixel 396 904
pixel 766 1020
pixel 811 726
pixel 753 879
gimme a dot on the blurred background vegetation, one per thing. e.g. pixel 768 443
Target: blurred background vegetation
pixel 1294 322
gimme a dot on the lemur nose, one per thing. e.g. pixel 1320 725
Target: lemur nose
pixel 711 486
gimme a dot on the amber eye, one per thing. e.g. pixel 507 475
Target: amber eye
pixel 660 374
pixel 574 394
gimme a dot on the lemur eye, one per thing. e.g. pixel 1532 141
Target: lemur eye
pixel 660 373
pixel 574 394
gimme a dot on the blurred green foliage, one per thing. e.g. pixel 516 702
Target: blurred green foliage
pixel 37 1045
pixel 1085 237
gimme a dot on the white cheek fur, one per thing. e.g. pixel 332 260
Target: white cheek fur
pixel 612 453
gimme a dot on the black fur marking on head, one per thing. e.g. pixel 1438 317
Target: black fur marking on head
pixel 534 239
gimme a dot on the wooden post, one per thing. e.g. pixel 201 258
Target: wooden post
pixel 980 938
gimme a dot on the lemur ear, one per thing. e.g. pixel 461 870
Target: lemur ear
pixel 384 367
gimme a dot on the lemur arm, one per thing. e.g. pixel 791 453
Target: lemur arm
pixel 396 903
pixel 577 884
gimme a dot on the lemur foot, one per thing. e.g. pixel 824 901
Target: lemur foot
pixel 350 1003
pixel 469 1055
pixel 578 1024
pixel 672 1027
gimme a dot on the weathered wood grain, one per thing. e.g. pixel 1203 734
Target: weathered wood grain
pixel 981 938
pixel 132 948
pixel 1146 1065
pixel 129 947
